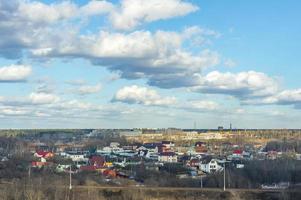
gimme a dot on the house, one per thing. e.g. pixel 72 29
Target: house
pixel 43 154
pixel 200 147
pixel 210 166
pixel 39 164
pixel 62 168
pixel 113 148
pixel 168 144
pixel 194 163
pixel 200 144
pixel 236 155
pixel 76 156
pixel 247 155
pixel 114 144
pixel 169 157
pixel 104 150
pixel 96 163
pixel 272 155
pixel 109 173
pixel 148 149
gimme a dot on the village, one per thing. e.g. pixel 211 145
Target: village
pixel 133 156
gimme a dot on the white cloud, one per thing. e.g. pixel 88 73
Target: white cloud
pixel 14 73
pixel 133 13
pixel 32 25
pixel 284 97
pixel 96 7
pixel 142 95
pixel 89 89
pixel 11 111
pixel 242 85
pixel 289 96
pixel 158 56
pixel 77 105
pixel 43 98
pixel 38 12
pixel 202 105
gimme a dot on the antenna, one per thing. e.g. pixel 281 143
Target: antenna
pixel 194 125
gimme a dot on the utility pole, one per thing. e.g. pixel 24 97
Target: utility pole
pixel 70 180
pixel 29 173
pixel 201 181
pixel 225 176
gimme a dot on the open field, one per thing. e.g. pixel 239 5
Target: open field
pixel 60 192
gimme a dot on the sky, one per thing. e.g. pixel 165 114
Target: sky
pixel 150 64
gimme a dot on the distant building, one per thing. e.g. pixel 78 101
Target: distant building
pixel 43 154
pixel 76 156
pixel 210 166
pixel 200 147
pixel 169 157
pixel 168 144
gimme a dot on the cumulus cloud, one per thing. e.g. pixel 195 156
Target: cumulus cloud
pixel 142 95
pixel 76 105
pixel 43 98
pixel 289 97
pixel 157 57
pixel 133 13
pixel 38 12
pixel 96 7
pixel 25 25
pixel 51 105
pixel 14 73
pixel 284 97
pixel 242 85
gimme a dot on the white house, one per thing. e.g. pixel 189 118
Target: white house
pixel 76 156
pixel 211 166
pixel 169 157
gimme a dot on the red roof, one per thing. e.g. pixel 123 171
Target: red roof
pixel 237 151
pixel 88 168
pixel 109 172
pixel 42 153
pixel 97 161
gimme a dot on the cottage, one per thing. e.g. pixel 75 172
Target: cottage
pixel 96 163
pixel 76 156
pixel 211 166
pixel 43 154
pixel 200 147
pixel 169 157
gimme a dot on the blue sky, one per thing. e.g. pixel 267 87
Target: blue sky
pixel 135 63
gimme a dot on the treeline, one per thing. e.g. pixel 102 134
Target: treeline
pixel 284 145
